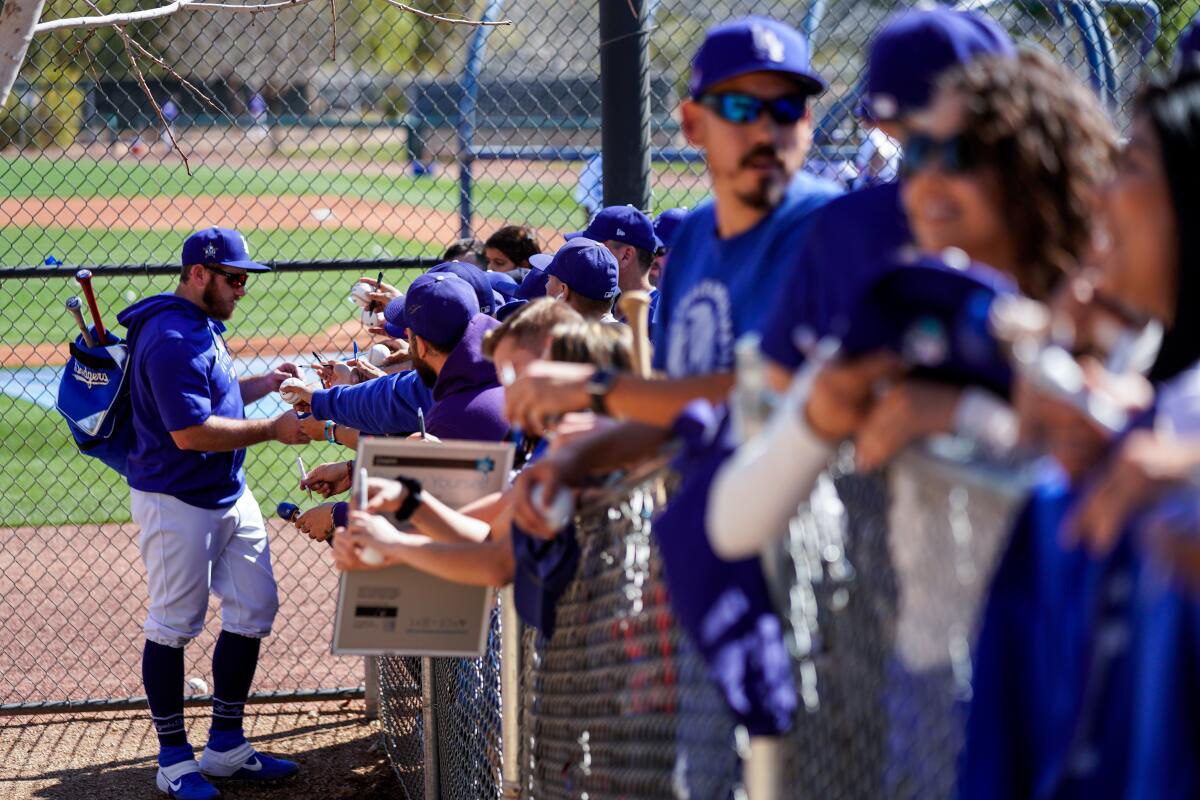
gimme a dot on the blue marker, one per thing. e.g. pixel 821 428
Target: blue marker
pixel 355 351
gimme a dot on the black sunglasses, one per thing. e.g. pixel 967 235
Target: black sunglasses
pixel 956 154
pixel 741 108
pixel 236 280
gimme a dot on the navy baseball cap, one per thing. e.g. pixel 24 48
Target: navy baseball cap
pixel 221 246
pixel 624 224
pixel 508 309
pixel 913 48
pixel 587 267
pixel 666 223
pixel 477 279
pixel 437 307
pixel 752 44
pixel 534 284
pixel 503 284
pixel 932 311
pixel 393 318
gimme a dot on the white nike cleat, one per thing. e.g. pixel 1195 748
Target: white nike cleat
pixel 184 782
pixel 244 763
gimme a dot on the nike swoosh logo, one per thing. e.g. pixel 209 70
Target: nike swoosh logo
pixel 254 765
pixel 175 785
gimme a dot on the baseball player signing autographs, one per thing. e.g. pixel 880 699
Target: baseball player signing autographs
pixel 201 528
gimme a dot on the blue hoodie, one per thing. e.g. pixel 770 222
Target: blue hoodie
pixel 380 407
pixel 180 375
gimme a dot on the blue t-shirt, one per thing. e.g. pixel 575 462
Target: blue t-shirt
pixel 714 290
pixel 851 242
pixel 181 374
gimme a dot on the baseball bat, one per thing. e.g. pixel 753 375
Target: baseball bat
pixel 635 307
pixel 84 276
pixel 75 306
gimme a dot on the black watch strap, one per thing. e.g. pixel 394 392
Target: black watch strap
pixel 598 387
pixel 411 501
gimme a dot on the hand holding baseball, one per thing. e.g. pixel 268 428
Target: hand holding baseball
pixel 547 389
pixel 294 390
pixel 385 291
pixel 281 374
pixel 370 532
pixel 365 370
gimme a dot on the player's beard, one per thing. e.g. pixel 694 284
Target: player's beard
pixel 771 187
pixel 216 306
pixel 425 372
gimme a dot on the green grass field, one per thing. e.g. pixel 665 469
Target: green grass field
pixel 547 205
pixel 51 483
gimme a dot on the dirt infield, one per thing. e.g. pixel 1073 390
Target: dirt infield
pixel 110 756
pixel 73 601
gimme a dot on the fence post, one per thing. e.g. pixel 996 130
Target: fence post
pixel 429 723
pixel 371 685
pixel 625 102
pixel 510 698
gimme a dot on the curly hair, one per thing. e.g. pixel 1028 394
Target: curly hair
pixel 517 242
pixel 1051 145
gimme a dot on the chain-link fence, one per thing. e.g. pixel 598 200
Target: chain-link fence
pixel 374 133
pixel 72 588
pixel 880 583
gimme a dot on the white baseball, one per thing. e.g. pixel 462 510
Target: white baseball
pixel 197 685
pixel 342 373
pixel 377 355
pixel 361 293
pixel 370 556
pixel 371 319
pixel 289 390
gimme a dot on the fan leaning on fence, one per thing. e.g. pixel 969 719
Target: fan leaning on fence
pixel 179 420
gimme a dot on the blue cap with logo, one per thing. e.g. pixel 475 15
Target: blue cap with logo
pixel 533 285
pixel 913 48
pixel 753 44
pixel 587 267
pixel 437 307
pixel 220 246
pixel 474 276
pixel 933 312
pixel 624 224
pixel 666 223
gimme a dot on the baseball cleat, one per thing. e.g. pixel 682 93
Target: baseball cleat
pixel 244 763
pixel 184 782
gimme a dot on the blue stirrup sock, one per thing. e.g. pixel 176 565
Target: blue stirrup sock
pixel 235 659
pixel 162 675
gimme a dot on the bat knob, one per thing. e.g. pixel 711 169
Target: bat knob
pixel 287 511
pixel 74 303
pixel 83 275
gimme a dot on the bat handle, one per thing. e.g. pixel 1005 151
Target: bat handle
pixel 84 277
pixel 77 313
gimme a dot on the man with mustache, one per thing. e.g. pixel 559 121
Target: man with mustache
pixel 749 110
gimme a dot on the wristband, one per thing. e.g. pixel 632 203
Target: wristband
pixel 331 431
pixel 412 501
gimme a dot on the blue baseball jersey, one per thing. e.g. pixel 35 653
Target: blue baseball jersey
pixel 182 374
pixel 852 241
pixel 714 290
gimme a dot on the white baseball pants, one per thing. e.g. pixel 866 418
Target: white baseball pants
pixel 190 551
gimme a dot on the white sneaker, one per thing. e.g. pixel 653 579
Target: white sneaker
pixel 244 763
pixel 184 781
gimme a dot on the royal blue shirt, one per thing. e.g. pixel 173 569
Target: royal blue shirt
pixel 852 241
pixel 181 374
pixel 714 290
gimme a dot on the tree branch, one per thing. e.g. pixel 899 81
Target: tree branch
pixel 452 20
